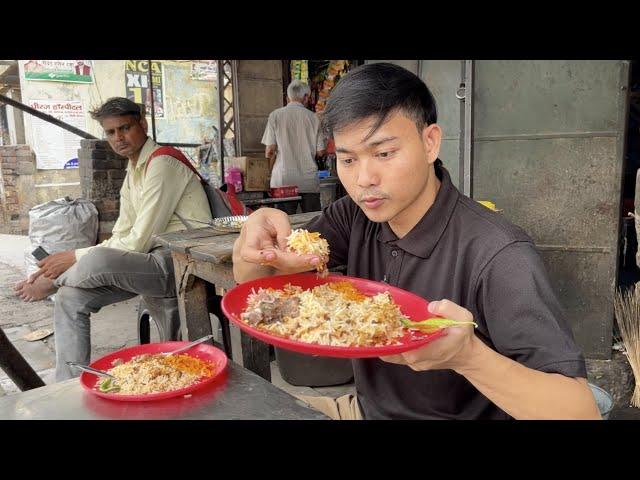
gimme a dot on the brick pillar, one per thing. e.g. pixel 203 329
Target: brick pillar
pixel 17 196
pixel 101 174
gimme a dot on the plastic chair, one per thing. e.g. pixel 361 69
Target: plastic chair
pixel 164 313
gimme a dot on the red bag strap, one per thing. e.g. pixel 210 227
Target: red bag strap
pixel 178 155
pixel 237 207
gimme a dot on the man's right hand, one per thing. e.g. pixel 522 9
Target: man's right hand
pixel 261 249
pixel 54 265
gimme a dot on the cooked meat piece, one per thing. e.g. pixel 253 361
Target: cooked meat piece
pixel 291 307
pixel 253 318
pixel 280 308
pixel 272 310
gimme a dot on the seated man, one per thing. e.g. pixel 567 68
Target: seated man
pixel 405 223
pixel 155 196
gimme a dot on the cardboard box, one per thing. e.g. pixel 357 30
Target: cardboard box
pixel 255 172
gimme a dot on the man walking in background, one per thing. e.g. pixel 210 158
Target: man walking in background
pixel 293 140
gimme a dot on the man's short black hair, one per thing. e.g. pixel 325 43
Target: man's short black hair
pixel 378 90
pixel 116 107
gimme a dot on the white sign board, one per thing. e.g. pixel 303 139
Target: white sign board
pixel 55 147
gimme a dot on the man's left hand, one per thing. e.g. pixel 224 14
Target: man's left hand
pixel 451 351
pixel 55 265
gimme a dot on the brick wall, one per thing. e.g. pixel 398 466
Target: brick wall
pixel 101 174
pixel 17 169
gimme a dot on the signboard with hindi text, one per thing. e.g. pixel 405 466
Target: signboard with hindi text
pixel 73 71
pixel 55 147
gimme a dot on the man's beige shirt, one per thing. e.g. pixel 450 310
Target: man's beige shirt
pixel 148 202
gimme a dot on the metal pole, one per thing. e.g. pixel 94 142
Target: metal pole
pixel 236 107
pixel 221 118
pixel 16 367
pixel 468 129
pixel 461 95
pixel 153 109
pixel 44 116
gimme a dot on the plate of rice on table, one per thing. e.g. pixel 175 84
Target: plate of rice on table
pixel 229 224
pixel 143 373
pixel 331 316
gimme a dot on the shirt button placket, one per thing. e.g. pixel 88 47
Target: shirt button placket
pixel 394 268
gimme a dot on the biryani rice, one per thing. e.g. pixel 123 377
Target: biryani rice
pixel 145 374
pixel 336 314
pixel 303 242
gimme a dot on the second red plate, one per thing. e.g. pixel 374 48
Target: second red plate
pixel 207 353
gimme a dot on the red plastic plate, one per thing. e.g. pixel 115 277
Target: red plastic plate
pixel 207 353
pixel 411 305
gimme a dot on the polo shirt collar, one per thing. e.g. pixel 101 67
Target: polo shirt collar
pixel 423 238
pixel 145 152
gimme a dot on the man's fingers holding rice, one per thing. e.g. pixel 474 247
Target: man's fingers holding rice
pixel 287 262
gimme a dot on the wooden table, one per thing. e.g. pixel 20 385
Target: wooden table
pixel 203 272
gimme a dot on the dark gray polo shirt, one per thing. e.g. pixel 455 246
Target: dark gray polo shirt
pixel 466 253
